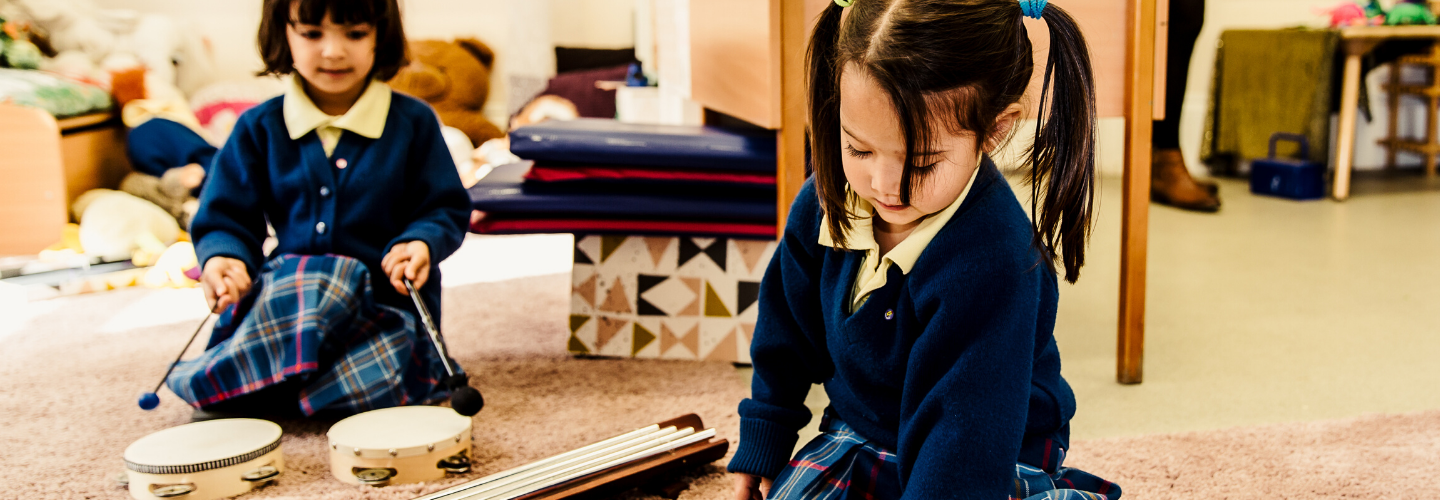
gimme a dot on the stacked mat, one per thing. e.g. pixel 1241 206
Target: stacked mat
pixel 597 176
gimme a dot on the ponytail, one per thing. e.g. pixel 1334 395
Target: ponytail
pixel 824 103
pixel 1062 176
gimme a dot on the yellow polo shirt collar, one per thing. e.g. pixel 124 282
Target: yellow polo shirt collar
pixel 366 117
pixel 861 237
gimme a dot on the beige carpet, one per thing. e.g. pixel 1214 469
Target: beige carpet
pixel 70 375
pixel 69 411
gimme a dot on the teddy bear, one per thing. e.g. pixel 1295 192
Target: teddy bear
pixel 454 77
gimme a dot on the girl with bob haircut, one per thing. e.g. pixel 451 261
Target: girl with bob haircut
pixel 910 282
pixel 362 195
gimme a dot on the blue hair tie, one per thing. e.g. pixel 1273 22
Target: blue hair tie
pixel 1033 8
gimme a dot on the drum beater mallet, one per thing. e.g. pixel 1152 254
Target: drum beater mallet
pixel 463 398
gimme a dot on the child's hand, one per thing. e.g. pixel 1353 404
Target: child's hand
pixel 225 282
pixel 410 259
pixel 751 487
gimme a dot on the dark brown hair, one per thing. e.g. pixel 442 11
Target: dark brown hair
pixel 963 61
pixel 384 15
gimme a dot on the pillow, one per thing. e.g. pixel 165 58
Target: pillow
pixel 569 59
pixel 579 88
pixel 60 96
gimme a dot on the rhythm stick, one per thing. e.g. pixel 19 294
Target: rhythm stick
pixel 148 401
pixel 463 398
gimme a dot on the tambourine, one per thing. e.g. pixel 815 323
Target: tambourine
pixel 204 460
pixel 406 444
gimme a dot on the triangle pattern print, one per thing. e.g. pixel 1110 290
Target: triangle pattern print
pixel 575 346
pixel 581 258
pixel 746 294
pixel 716 251
pixel 643 338
pixel 586 290
pixel 751 251
pixel 694 308
pixel 606 330
pixel 608 245
pixel 657 247
pixel 644 282
pixel 615 300
pixel 713 306
pixel 725 350
pixel 691 339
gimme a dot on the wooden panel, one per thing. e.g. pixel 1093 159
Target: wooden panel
pixel 1099 21
pixel 32 182
pixel 1162 55
pixel 735 58
pixel 797 21
pixel 1135 208
pixel 94 158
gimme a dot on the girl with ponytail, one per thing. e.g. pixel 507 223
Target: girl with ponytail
pixel 910 281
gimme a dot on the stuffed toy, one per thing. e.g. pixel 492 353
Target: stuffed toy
pixel 1409 12
pixel 454 77
pixel 91 42
pixel 16 49
pixel 117 226
pixel 172 191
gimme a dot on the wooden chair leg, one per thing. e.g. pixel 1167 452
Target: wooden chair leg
pixel 1392 136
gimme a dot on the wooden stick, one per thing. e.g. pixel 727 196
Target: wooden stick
pixel 606 444
pixel 672 442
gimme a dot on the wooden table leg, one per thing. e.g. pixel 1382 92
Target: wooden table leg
pixel 1349 101
pixel 1135 207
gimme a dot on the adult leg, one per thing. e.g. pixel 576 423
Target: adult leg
pixel 1170 180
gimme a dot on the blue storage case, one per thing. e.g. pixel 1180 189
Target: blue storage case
pixel 1288 178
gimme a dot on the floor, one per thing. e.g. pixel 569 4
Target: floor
pixel 1269 311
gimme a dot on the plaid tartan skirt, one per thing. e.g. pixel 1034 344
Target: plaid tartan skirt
pixel 840 464
pixel 313 323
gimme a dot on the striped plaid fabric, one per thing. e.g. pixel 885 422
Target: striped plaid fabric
pixel 840 464
pixel 314 317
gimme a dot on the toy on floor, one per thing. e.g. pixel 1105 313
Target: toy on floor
pixel 172 191
pixel 204 460
pixel 605 468
pixel 465 399
pixel 114 225
pixel 404 444
pixel 176 268
pixel 454 77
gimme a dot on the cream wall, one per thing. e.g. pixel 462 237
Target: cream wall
pixel 522 33
pixel 1234 14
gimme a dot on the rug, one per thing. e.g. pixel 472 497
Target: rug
pixel 70 375
pixel 70 389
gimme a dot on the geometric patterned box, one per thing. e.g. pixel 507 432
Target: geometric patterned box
pixel 666 297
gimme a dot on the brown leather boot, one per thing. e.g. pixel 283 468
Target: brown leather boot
pixel 1171 184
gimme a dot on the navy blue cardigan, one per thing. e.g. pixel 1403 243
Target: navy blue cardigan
pixel 965 373
pixel 400 187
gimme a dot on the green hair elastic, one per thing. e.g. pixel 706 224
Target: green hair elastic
pixel 844 3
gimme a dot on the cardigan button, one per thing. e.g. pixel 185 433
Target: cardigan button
pixel 341 163
pixel 324 191
pixel 320 227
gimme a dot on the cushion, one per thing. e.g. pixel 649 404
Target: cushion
pixel 58 95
